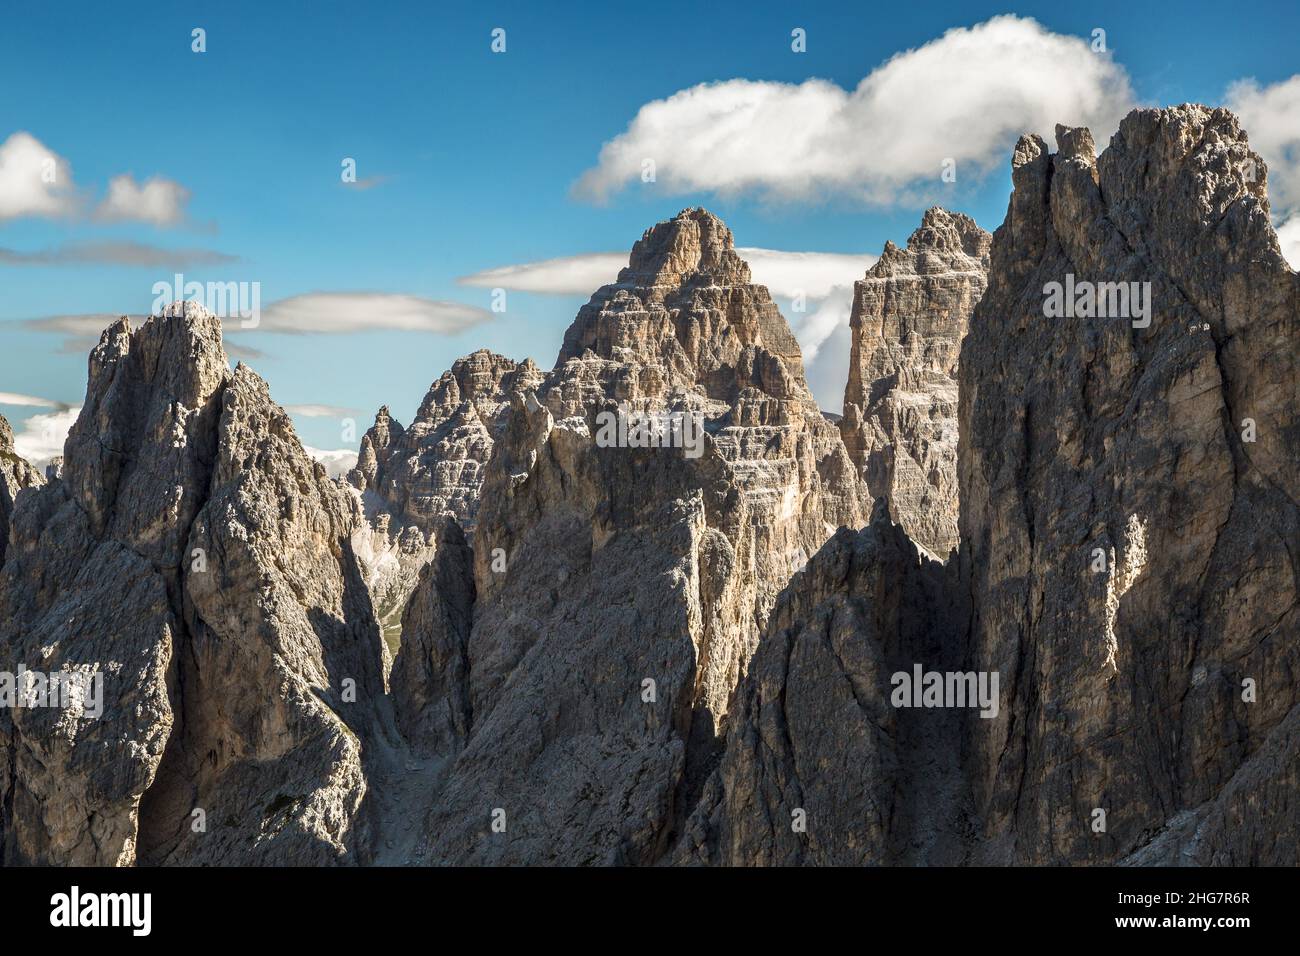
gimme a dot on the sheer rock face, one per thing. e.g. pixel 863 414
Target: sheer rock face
pixel 412 480
pixel 644 571
pixel 1127 564
pixel 819 768
pixel 16 475
pixel 900 404
pixel 195 559
pixel 1087 439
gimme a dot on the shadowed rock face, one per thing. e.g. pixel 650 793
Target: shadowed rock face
pixel 900 403
pixel 196 560
pixel 1124 685
pixel 1157 687
pixel 645 570
pixel 815 741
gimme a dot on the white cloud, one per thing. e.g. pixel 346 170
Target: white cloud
pixel 1288 236
pixel 337 312
pixel 158 201
pixel 34 180
pixel 967 96
pixel 42 436
pixel 29 401
pixel 337 462
pixel 815 274
pixel 827 370
pixel 785 274
pixel 831 313
pixel 570 275
pixel 319 411
pixel 1271 117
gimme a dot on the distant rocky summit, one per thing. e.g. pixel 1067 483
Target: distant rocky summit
pixel 413 480
pixel 15 475
pixel 1033 600
pixel 909 316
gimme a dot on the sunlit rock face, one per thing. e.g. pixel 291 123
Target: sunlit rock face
pixel 909 315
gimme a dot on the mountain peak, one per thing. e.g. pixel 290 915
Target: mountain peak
pixel 695 240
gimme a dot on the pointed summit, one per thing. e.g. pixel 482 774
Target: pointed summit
pixel 694 241
pixel 910 312
pixel 686 305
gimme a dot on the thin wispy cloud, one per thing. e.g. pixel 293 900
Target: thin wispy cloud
pixel 567 275
pixel 368 183
pixel 319 411
pixel 30 401
pixel 115 252
pixel 786 274
pixel 965 96
pixel 342 312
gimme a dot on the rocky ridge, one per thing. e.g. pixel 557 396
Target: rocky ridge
pixel 412 480
pixel 629 659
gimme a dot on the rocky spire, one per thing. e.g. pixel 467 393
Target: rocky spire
pixel 686 308
pixel 909 315
pixel 196 562
pixel 1127 561
pixel 1129 521
pixel 15 476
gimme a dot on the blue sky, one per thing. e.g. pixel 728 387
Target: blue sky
pixel 471 157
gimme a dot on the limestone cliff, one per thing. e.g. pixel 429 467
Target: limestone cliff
pixel 195 561
pixel 900 403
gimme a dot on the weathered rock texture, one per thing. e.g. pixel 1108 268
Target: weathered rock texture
pixel 1157 687
pixel 195 558
pixel 1124 686
pixel 684 328
pixel 412 480
pixel 618 592
pixel 620 668
pixel 900 403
